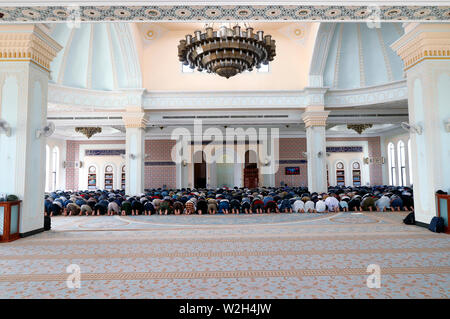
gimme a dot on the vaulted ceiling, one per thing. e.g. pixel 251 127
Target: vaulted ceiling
pixel 360 56
pixel 100 56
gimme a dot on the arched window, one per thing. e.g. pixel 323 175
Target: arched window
pixel 109 177
pixel 47 168
pixel 391 162
pixel 92 178
pixel 340 174
pixel 356 174
pixel 401 163
pixel 410 162
pixel 55 167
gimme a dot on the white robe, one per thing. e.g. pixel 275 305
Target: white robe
pixel 298 206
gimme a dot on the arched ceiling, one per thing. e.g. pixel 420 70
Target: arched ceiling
pixel 355 55
pixel 104 56
pixel 100 56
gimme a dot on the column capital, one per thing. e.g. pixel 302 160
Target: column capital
pixel 315 118
pixel 134 117
pixel 423 41
pixel 27 42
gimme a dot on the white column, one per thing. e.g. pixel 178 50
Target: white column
pixel 425 50
pixel 315 121
pixel 27 51
pixel 407 163
pixel 385 166
pixel 182 174
pixel 135 124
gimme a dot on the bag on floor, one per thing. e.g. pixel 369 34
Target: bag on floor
pixel 437 225
pixel 47 223
pixel 410 219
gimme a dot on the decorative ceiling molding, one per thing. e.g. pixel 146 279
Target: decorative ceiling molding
pixel 224 100
pixel 152 32
pixel 65 99
pixel 387 63
pixel 83 12
pixel 362 76
pixel 130 54
pixel 299 33
pixel 395 91
pixel 423 42
pixel 338 57
pixel 61 98
pixel 111 52
pixel 89 68
pixel 29 43
pixel 320 53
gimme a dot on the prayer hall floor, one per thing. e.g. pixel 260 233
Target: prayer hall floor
pixel 228 256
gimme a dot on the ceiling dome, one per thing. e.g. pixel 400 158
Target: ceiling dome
pixel 360 56
pixel 97 56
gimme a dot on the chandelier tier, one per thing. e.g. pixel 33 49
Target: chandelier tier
pixel 359 128
pixel 226 52
pixel 88 131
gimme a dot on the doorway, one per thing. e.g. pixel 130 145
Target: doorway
pixel 199 170
pixel 251 172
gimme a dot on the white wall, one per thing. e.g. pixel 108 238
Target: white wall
pixel 100 162
pixel 60 175
pixel 348 159
pixel 288 71
pixel 395 139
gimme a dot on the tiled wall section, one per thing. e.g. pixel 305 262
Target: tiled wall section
pixel 291 149
pixel 376 170
pixel 160 151
pixel 158 176
pixel 155 176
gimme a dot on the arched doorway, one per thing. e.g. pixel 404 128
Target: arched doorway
pixel 251 172
pixel 199 170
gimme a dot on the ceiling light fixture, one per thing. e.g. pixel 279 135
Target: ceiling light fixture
pixel 228 51
pixel 359 128
pixel 88 131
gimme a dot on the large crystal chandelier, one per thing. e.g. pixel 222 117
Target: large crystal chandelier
pixel 228 51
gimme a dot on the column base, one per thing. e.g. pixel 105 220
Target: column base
pixel 32 232
pixel 420 224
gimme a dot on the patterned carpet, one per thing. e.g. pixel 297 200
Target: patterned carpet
pixel 227 256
